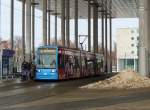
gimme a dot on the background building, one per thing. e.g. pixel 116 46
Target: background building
pixel 127 48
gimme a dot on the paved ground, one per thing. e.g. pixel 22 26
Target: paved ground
pixel 65 95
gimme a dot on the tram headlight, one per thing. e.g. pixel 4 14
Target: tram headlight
pixel 39 71
pixel 53 70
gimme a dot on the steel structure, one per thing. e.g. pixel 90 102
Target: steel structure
pixel 120 8
pixel 77 9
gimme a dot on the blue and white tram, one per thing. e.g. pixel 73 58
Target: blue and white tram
pixel 60 63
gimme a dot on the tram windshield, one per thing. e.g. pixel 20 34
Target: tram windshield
pixel 47 58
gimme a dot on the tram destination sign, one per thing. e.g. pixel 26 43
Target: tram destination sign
pixel 47 50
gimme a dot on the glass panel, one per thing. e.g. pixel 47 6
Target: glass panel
pixel 47 58
pixel 47 61
pixel 130 63
pixel 61 60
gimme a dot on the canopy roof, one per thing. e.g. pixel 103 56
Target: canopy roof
pixel 120 8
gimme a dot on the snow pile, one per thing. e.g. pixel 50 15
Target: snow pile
pixel 124 80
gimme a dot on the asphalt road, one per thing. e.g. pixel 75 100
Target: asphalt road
pixel 66 95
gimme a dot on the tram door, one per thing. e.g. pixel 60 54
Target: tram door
pixel 6 64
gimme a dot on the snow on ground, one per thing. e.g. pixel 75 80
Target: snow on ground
pixel 126 79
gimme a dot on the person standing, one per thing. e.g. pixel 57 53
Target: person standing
pixel 33 70
pixel 24 71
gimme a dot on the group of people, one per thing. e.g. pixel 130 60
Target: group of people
pixel 27 70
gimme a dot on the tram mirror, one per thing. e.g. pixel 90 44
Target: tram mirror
pixel 52 62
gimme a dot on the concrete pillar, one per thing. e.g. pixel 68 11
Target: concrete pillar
pixel 134 64
pixel 49 21
pixel 144 26
pixel 23 29
pixel 0 18
pixel 44 21
pixel 76 23
pixel 12 24
pixel 68 23
pixel 102 32
pixel 89 26
pixel 106 39
pixel 28 30
pixel 95 28
pixel 110 23
pixel 110 30
pixel 102 14
pixel 33 29
pixel 63 22
pixel 55 22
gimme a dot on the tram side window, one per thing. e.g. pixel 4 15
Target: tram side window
pixel 71 59
pixel 68 61
pixel 90 63
pixel 83 61
pixel 76 59
pixel 100 63
pixel 61 60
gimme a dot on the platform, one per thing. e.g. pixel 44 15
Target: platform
pixel 66 95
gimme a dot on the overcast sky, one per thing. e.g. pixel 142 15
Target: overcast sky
pixel 5 23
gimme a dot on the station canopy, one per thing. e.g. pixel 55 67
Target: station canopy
pixel 120 8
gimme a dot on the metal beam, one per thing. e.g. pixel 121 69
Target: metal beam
pixel 12 24
pixel 63 21
pixel 76 23
pixel 33 30
pixel 95 29
pixel 28 30
pixel 49 22
pixel 55 22
pixel 106 40
pixel 89 26
pixel 110 23
pixel 0 18
pixel 44 21
pixel 102 14
pixel 68 22
pixel 23 29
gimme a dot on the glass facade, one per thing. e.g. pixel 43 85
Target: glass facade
pixel 128 64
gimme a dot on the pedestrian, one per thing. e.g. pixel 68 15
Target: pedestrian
pixel 29 70
pixel 24 71
pixel 33 70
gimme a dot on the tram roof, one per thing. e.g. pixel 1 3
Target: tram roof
pixel 120 8
pixel 66 48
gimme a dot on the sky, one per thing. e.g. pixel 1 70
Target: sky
pixel 83 27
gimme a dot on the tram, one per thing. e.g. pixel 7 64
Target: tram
pixel 61 63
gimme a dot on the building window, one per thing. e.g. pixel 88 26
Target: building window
pixel 130 64
pixel 138 38
pixel 137 30
pixel 132 52
pixel 132 38
pixel 132 45
pixel 132 31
